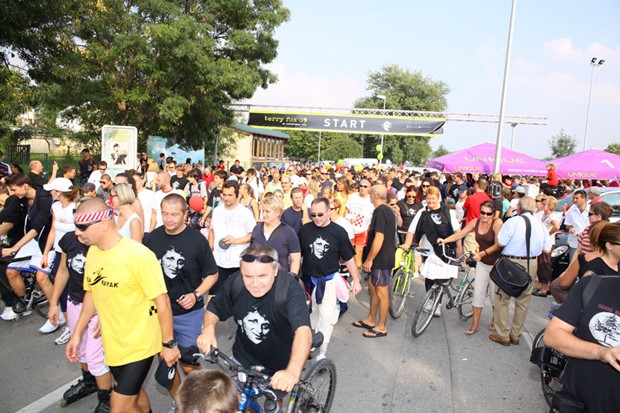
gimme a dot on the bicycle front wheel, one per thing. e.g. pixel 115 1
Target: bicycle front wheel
pixel 399 290
pixel 424 315
pixel 465 299
pixel 549 377
pixel 317 393
pixel 39 301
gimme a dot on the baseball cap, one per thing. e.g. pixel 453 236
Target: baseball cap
pixel 519 190
pixel 302 181
pixel 88 187
pixel 164 374
pixel 59 184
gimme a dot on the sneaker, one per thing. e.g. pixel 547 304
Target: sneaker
pixel 64 337
pixel 321 355
pixel 8 314
pixel 437 311
pixel 48 327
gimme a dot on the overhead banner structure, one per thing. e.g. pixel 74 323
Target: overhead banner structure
pixel 366 124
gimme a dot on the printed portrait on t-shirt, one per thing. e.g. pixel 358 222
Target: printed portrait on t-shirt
pixel 319 247
pixel 255 326
pixel 77 263
pixel 172 262
pixel 605 328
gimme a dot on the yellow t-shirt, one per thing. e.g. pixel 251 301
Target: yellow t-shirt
pixel 343 201
pixel 123 281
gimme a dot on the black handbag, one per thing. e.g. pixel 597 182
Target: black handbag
pixel 511 277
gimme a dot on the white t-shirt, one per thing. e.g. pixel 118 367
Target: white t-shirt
pixel 63 221
pixel 159 196
pixel 125 230
pixel 95 177
pixel 548 221
pixel 359 212
pixel 578 220
pixel 147 199
pixel 237 222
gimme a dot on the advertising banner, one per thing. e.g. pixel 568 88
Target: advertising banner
pixel 365 124
pixel 119 148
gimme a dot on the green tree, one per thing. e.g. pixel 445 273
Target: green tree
pixel 302 144
pixel 404 90
pixel 562 145
pixel 16 97
pixel 340 147
pixel 168 67
pixel 613 148
pixel 440 151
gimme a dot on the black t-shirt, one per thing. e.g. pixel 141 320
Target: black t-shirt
pixel 37 180
pixel 76 259
pixel 178 183
pixel 14 212
pixel 214 198
pixel 597 266
pixel 237 170
pixel 383 221
pixel 407 212
pixel 185 259
pixel 283 239
pixel 293 218
pixel 264 335
pixel 592 382
pixel 86 167
pixel 396 184
pixel 322 248
pixel 434 224
pixel 40 216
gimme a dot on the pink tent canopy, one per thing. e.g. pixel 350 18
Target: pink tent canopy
pixel 590 164
pixel 481 159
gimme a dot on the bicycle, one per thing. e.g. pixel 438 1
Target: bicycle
pixel 312 394
pixel 461 299
pixel 34 299
pixel 400 284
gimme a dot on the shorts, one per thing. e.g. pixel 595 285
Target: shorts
pixel 90 350
pixel 130 377
pixel 222 275
pixel 360 239
pixel 188 326
pixel 380 277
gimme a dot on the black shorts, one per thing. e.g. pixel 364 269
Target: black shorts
pixel 130 377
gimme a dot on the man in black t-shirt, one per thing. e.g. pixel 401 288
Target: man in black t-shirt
pixel 276 338
pixel 237 169
pixel 179 180
pixel 323 243
pixel 87 165
pixel 189 271
pixel 378 261
pixel 297 214
pixel 590 336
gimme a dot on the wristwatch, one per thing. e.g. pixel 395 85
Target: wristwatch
pixel 198 295
pixel 171 344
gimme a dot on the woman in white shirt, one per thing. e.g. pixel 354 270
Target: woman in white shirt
pixel 128 222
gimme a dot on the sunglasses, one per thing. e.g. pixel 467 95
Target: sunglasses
pixel 364 186
pixel 426 186
pixel 539 200
pixel 84 227
pixel 102 169
pixel 103 182
pixel 592 213
pixel 392 204
pixel 410 196
pixel 320 214
pixel 334 208
pixel 264 259
pixel 486 214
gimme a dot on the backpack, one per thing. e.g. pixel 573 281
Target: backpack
pixel 495 189
pixel 281 290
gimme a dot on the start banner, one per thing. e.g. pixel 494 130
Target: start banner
pixel 366 124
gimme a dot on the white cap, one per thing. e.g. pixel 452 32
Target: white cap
pixel 301 181
pixel 59 184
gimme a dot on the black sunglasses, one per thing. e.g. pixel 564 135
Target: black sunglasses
pixel 487 214
pixel 320 214
pixel 426 186
pixel 592 213
pixel 363 186
pixel 84 227
pixel 264 259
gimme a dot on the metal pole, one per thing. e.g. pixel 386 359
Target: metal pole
pixel 319 156
pixel 512 140
pixel 217 137
pixel 384 98
pixel 498 144
pixel 585 138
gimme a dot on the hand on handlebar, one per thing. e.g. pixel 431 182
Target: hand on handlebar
pixel 284 380
pixel 440 241
pixel 206 341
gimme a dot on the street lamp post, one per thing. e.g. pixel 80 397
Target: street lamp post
pixel 512 139
pixel 384 98
pixel 594 63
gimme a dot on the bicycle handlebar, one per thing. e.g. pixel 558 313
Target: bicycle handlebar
pixel 458 260
pixel 215 356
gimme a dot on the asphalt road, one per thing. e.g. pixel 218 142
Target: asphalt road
pixel 441 371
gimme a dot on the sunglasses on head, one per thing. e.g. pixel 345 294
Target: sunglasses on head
pixel 487 214
pixel 320 214
pixel 264 259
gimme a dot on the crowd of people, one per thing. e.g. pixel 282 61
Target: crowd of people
pixel 153 258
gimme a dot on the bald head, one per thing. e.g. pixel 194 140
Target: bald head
pixel 379 191
pixel 527 204
pixel 91 205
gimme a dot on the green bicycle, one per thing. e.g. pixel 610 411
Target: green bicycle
pixel 400 285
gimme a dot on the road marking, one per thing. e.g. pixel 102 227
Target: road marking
pixel 48 400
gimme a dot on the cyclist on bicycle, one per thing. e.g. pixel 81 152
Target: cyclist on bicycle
pixel 274 335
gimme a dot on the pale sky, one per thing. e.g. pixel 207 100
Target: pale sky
pixel 328 48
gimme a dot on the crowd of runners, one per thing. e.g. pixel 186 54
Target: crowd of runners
pixel 145 262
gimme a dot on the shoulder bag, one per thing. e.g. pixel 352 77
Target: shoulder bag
pixel 509 276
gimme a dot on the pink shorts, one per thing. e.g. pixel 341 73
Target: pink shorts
pixel 90 350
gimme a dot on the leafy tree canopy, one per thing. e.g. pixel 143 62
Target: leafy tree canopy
pixel 440 151
pixel 404 90
pixel 562 145
pixel 613 148
pixel 168 67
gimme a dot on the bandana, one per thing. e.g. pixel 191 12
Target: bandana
pixel 93 216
